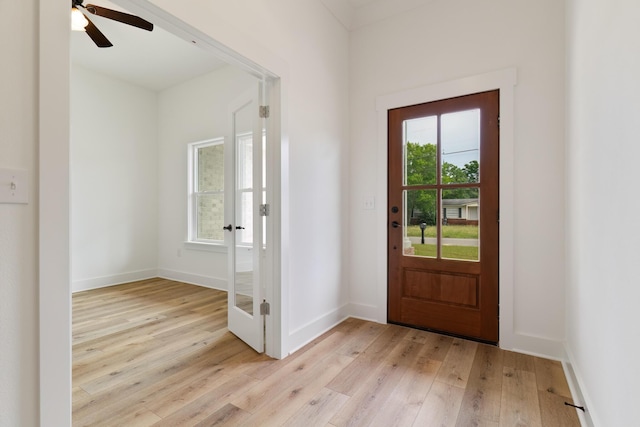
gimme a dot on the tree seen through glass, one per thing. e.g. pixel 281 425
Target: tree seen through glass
pixel 421 169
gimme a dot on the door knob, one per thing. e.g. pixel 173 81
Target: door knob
pixel 228 227
pixel 238 227
pixel 395 224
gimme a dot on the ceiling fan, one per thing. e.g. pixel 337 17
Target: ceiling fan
pixel 81 22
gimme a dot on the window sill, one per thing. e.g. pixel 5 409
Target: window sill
pixel 207 247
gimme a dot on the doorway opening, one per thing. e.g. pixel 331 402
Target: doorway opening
pixel 54 185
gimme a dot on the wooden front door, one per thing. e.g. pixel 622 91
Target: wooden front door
pixel 443 216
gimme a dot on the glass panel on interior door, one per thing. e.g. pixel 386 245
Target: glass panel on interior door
pixel 420 228
pixel 460 139
pixel 244 256
pixel 460 224
pixel 420 140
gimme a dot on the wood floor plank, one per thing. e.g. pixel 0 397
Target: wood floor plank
pixel 550 377
pixel 457 364
pixel 228 415
pixel 266 367
pixel 403 405
pixel 112 379
pixel 319 410
pixel 441 406
pixel 481 402
pixel 157 352
pixel 554 413
pixel 104 362
pixel 283 405
pixel 365 404
pixel 141 417
pixel 354 375
pixel 209 403
pixel 436 346
pixel 364 335
pixel 170 398
pixel 133 415
pixel 519 399
pixel 519 361
pixel 291 373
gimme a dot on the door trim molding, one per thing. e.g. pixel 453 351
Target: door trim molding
pixel 505 80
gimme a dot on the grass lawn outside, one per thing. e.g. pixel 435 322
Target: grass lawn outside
pixel 448 231
pixel 449 252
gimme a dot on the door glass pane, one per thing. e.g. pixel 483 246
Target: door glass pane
pixel 264 186
pixel 419 228
pixel 460 139
pixel 460 224
pixel 244 259
pixel 420 140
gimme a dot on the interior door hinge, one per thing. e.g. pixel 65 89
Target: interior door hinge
pixel 264 210
pixel 265 308
pixel 264 111
pixel 498 121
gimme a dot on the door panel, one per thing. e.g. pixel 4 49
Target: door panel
pixel 245 186
pixel 443 207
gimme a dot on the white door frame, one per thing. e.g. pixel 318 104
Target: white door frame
pixel 54 186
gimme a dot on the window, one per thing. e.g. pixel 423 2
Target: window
pixel 206 192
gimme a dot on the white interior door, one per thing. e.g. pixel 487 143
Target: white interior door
pixel 245 227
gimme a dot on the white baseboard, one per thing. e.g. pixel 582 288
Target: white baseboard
pixel 534 346
pixel 194 279
pixel 364 312
pixel 310 331
pixel 111 280
pixel 578 390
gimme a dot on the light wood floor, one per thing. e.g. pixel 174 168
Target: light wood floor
pixel 157 352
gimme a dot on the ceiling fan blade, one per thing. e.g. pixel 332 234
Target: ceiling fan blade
pixel 96 35
pixel 125 18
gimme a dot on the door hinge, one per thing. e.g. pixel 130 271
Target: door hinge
pixel 264 210
pixel 264 111
pixel 498 121
pixel 265 308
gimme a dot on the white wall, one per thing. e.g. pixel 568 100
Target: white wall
pixel 448 40
pixel 129 176
pixel 192 111
pixel 602 245
pixel 18 223
pixel 114 180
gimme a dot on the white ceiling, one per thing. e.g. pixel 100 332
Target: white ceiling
pixel 358 3
pixel 155 60
pixel 354 14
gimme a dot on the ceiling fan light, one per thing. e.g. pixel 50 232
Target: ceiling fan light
pixel 78 20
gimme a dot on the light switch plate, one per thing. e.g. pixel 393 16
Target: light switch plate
pixel 369 203
pixel 14 186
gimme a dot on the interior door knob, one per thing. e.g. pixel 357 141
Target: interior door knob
pixel 239 227
pixel 228 227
